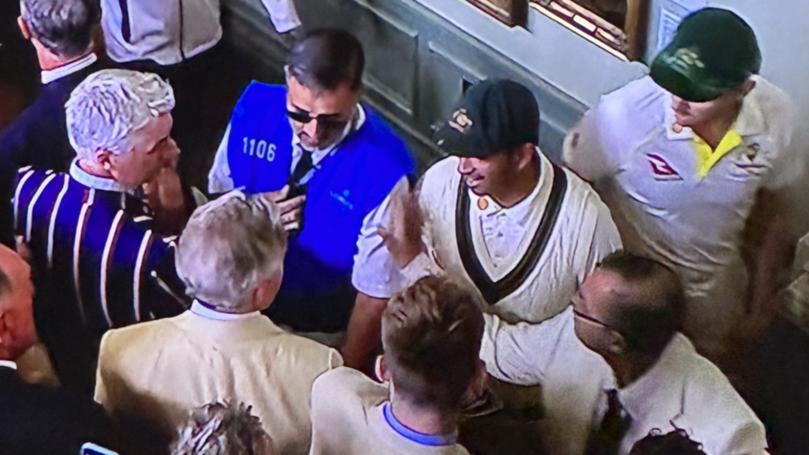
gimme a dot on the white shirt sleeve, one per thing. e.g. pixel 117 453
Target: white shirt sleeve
pixel 283 14
pixel 219 180
pixel 583 150
pixel 374 273
pixel 789 164
pixel 520 353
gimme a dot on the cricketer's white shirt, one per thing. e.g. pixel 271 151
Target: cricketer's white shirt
pixel 646 171
pixel 681 390
pixel 582 235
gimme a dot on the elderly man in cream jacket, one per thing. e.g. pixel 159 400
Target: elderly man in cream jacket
pixel 230 257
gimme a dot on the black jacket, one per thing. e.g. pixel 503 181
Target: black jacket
pixel 35 419
pixel 37 137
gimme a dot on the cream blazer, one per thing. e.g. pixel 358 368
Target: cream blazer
pixel 161 370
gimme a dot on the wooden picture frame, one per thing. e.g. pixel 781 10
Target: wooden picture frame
pixel 513 13
pixel 621 32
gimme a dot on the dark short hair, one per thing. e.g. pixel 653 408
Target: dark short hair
pixel 653 310
pixel 674 442
pixel 64 27
pixel 326 58
pixel 431 336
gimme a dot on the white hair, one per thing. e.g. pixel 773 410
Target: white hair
pixel 110 105
pixel 222 429
pixel 228 247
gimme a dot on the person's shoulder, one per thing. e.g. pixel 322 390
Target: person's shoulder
pixel 263 90
pixel 376 132
pixel 260 97
pixel 708 395
pixel 769 96
pixel 773 107
pixel 144 336
pixel 67 413
pixel 347 385
pixel 315 356
pixel 637 101
pixel 581 194
pixel 30 179
pixel 441 171
pixel 439 184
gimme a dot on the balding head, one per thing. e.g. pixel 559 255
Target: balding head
pixel 17 331
pixel 648 304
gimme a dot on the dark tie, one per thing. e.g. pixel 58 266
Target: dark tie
pixel 303 167
pixel 606 439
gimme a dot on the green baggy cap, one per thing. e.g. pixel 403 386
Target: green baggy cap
pixel 713 52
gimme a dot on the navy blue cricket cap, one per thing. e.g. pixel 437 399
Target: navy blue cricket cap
pixel 492 116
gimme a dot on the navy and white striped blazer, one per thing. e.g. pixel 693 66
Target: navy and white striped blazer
pixel 97 263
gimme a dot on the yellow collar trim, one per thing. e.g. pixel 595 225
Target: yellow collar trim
pixel 707 157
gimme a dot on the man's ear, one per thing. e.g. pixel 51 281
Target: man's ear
pixel 105 159
pixel 525 155
pixel 26 32
pixel 380 370
pixel 617 344
pixel 266 291
pixel 477 386
pixel 746 87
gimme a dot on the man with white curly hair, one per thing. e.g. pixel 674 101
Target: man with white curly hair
pixel 100 234
pixel 230 257
pixel 225 429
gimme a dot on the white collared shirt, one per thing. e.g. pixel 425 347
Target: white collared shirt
pixel 92 181
pixel 200 310
pixel 504 227
pixel 8 364
pixel 51 75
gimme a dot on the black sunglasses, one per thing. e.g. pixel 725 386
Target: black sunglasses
pixel 328 121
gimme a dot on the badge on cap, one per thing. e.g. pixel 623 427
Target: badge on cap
pixel 460 121
pixel 684 59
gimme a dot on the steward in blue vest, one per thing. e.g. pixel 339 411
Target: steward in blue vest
pixel 316 293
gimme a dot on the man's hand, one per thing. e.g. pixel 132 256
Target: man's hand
pixel 166 198
pixel 291 208
pixel 165 191
pixel 403 237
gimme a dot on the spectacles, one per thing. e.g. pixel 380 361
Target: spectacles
pixel 327 121
pixel 593 320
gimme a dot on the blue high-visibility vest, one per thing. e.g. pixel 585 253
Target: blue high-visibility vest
pixel 345 187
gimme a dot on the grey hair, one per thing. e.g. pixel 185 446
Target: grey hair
pixel 222 429
pixel 228 247
pixel 107 107
pixel 64 27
